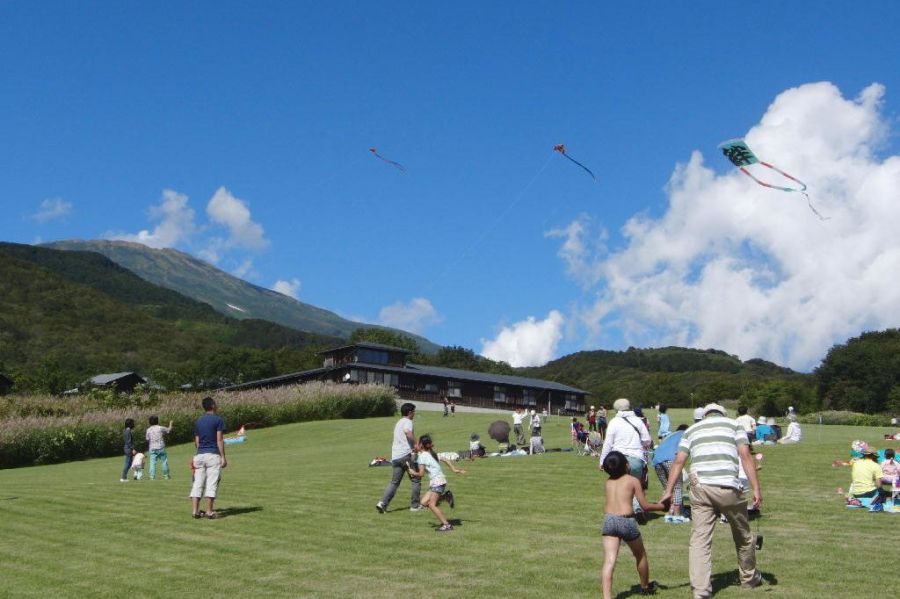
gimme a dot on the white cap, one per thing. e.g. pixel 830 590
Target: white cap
pixel 621 405
pixel 714 407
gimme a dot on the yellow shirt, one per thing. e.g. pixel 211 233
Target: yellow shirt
pixel 866 476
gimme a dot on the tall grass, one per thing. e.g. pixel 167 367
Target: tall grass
pixel 45 430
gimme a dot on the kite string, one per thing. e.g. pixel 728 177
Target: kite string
pixel 493 225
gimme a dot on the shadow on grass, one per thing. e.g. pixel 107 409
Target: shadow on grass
pixel 7 498
pixel 723 580
pixel 237 511
pixel 635 591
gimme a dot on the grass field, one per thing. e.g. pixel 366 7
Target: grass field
pixel 300 522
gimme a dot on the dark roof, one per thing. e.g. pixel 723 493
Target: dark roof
pixel 368 345
pixel 435 371
pixel 104 379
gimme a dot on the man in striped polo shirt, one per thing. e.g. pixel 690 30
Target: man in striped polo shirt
pixel 715 445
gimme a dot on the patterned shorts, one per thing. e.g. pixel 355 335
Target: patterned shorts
pixel 624 527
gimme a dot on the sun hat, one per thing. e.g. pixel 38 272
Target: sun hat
pixel 714 407
pixel 761 420
pixel 621 405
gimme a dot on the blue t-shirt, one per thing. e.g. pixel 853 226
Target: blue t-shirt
pixel 763 430
pixel 663 425
pixel 205 429
pixel 665 451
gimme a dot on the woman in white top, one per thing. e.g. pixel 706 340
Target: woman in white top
pixel 793 434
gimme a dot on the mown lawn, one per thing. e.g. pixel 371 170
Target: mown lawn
pixel 300 522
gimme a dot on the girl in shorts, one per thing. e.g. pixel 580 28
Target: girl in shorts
pixel 619 523
pixel 427 461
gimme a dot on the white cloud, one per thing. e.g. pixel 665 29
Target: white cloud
pixel 739 267
pixel 176 223
pixel 229 211
pixel 415 316
pixel 289 288
pixel 51 209
pixel 526 343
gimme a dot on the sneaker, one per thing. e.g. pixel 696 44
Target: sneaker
pixel 650 589
pixel 757 581
pixel 680 519
pixel 380 507
pixel 669 519
pixel 445 528
pixel 123 480
pixel 418 508
pixel 448 497
pixel 723 519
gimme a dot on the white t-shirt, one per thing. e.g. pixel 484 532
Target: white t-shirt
pixel 517 418
pixel 436 476
pixel 137 461
pixel 793 432
pixel 400 447
pixel 626 433
pixel 747 423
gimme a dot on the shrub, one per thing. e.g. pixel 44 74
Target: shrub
pixel 845 418
pixel 46 430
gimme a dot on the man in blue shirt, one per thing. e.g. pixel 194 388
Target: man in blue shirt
pixel 209 439
pixel 663 457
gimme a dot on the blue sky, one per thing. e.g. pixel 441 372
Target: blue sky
pixel 239 132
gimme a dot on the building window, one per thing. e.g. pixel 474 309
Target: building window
pixel 354 375
pixel 499 394
pixel 529 397
pixel 454 389
pixel 431 388
pixel 371 356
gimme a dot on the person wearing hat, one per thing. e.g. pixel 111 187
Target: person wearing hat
pixel 793 434
pixel 626 433
pixel 716 446
pixel 866 477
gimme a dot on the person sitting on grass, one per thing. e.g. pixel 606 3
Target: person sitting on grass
pixel 793 434
pixel 476 449
pixel 890 468
pixel 866 478
pixel 427 461
pixel 619 523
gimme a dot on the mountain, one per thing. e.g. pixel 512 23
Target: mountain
pixel 228 294
pixel 66 315
pixel 675 376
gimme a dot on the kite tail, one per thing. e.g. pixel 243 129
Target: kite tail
pixel 581 165
pixel 811 207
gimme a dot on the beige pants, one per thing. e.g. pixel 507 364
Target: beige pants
pixel 206 476
pixel 707 503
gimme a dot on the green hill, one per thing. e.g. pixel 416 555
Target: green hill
pixel 675 376
pixel 227 294
pixel 67 315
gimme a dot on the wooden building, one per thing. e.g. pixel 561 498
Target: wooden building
pixel 122 382
pixel 382 364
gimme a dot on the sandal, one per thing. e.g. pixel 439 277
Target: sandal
pixel 212 515
pixel 198 515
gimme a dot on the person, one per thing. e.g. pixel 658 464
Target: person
pixel 476 449
pixel 715 446
pixel 747 423
pixel 664 422
pixel 793 434
pixel 517 426
pixel 592 420
pixel 137 464
pixel 209 439
pixel 639 412
pixel 619 525
pixel 128 439
pixel 446 406
pixel 628 435
pixel 157 446
pixel 698 414
pixel 453 408
pixel 764 432
pixel 662 464
pixel 601 421
pixel 773 424
pixel 401 457
pixel 866 477
pixel 536 424
pixel 890 468
pixel 427 461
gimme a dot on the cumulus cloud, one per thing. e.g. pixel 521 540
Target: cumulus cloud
pixel 289 288
pixel 529 342
pixel 414 316
pixel 231 212
pixel 176 223
pixel 735 266
pixel 51 209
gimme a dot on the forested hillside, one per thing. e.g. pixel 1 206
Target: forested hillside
pixel 862 375
pixel 65 316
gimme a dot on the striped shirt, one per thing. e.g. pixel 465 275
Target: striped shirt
pixel 713 445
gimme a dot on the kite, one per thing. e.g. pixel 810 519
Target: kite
pixel 561 148
pixel 391 162
pixel 741 156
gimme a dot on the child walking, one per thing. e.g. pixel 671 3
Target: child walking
pixel 619 523
pixel 427 461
